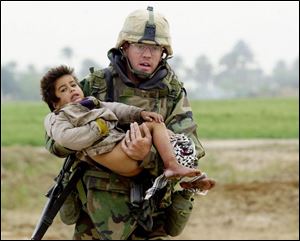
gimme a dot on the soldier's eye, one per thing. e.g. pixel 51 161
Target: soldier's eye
pixel 156 48
pixel 140 47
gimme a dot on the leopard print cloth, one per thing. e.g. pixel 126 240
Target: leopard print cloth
pixel 185 153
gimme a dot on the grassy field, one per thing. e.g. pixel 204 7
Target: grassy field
pixel 247 118
pixel 22 122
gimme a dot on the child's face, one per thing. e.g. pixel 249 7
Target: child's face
pixel 67 90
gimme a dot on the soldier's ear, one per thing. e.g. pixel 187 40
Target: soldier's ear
pixel 124 49
pixel 164 54
pixel 125 45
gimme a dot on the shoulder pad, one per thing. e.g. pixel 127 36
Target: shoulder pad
pixel 175 86
pixel 95 83
pixel 99 73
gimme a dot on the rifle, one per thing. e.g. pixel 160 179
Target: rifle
pixel 57 194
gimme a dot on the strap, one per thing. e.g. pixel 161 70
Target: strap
pixel 96 85
pixel 161 93
pixel 81 192
pixel 109 85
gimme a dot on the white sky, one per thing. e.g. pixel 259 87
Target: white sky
pixel 35 32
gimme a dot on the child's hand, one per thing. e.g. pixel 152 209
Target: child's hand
pixel 150 116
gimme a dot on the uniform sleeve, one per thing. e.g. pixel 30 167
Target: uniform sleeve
pixel 125 113
pixel 181 121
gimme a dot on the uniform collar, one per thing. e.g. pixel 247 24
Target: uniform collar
pixel 119 64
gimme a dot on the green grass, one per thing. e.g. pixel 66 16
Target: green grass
pixel 22 122
pixel 247 118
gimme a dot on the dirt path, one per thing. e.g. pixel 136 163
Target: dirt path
pixel 263 203
pixel 256 197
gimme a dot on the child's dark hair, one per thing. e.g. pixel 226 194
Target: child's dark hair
pixel 48 83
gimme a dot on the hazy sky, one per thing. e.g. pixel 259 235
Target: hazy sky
pixel 35 32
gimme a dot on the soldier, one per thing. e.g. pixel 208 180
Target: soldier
pixel 138 75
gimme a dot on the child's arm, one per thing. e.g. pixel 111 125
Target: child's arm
pixel 128 113
pixel 125 113
pixel 64 133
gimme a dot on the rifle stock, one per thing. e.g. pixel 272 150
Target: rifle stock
pixel 57 195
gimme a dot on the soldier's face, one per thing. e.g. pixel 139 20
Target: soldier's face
pixel 67 90
pixel 144 57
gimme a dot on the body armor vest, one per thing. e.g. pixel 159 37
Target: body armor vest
pixel 108 86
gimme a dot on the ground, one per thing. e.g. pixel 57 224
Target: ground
pixel 256 196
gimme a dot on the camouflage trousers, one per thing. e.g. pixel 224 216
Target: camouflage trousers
pixel 106 214
pixel 109 219
pixel 86 230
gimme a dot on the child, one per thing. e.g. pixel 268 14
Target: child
pixel 76 124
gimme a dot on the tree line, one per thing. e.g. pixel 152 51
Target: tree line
pixel 237 76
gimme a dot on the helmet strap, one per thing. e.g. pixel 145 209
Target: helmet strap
pixel 150 28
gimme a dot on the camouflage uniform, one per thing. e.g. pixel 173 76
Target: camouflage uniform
pixel 105 212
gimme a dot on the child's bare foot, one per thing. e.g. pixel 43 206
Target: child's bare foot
pixel 201 184
pixel 178 170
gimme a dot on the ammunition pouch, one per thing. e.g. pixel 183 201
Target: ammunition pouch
pixel 179 212
pixel 141 210
pixel 70 210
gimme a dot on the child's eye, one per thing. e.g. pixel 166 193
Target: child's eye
pixel 63 90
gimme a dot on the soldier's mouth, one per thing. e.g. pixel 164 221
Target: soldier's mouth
pixel 145 66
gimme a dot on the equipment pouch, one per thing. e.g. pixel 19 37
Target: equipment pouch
pixel 70 210
pixel 136 193
pixel 178 213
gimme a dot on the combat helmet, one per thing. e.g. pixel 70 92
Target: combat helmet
pixel 146 26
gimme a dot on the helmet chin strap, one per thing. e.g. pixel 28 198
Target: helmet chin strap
pixel 137 73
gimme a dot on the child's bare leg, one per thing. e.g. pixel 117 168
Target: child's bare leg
pixel 119 162
pixel 161 140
